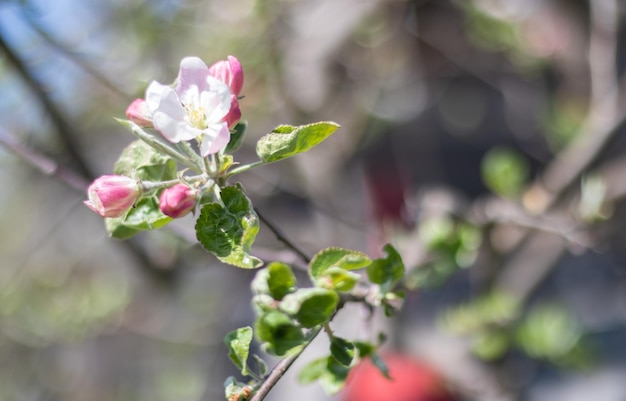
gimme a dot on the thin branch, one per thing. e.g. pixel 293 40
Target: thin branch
pixel 65 130
pixel 44 164
pixel 602 122
pixel 282 238
pixel 74 57
pixel 280 369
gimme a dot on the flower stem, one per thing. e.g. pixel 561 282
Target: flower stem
pixel 244 168
pixel 147 186
pixel 159 145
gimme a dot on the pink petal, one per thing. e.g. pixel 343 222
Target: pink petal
pixel 215 138
pixel 193 72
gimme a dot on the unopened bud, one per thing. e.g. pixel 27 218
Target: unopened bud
pixel 139 113
pixel 234 115
pixel 112 195
pixel 177 201
pixel 230 72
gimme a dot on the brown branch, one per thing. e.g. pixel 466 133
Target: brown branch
pixel 282 238
pixel 44 164
pixel 65 130
pixel 75 58
pixel 280 369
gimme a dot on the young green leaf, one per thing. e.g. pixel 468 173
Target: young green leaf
pixel 278 333
pixel 236 137
pixel 228 231
pixel 281 280
pixel 238 342
pixel 338 279
pixel 386 271
pixel 262 368
pixel 312 371
pixel 144 216
pixel 286 140
pixel 331 374
pixel 310 306
pixel 342 350
pixel 337 257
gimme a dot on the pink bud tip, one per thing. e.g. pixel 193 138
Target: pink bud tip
pixel 177 201
pixel 139 113
pixel 112 195
pixel 230 72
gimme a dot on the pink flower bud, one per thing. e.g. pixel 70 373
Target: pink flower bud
pixel 177 201
pixel 112 195
pixel 139 113
pixel 230 72
pixel 234 115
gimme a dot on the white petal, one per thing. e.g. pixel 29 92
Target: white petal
pixel 154 93
pixel 169 117
pixel 214 139
pixel 217 101
pixel 193 72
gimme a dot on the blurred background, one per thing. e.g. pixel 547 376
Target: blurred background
pixel 484 138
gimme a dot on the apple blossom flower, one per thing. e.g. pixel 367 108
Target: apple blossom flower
pixel 195 108
pixel 112 195
pixel 139 113
pixel 177 201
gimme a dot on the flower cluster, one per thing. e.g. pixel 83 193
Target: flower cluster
pixel 201 106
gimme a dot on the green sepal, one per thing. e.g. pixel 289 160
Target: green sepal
pixel 386 271
pixel 337 257
pixel 228 230
pixel 278 333
pixel 236 137
pixel 286 140
pixel 238 342
pixel 310 306
pixel 338 279
pixel 139 160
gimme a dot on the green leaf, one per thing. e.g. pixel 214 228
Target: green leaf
pixel 313 370
pixel 337 257
pixel 281 280
pixel 141 161
pixel 310 306
pixel 331 374
pixel 228 231
pixel 278 333
pixel 146 215
pixel 549 332
pixel 238 342
pixel 235 390
pixel 335 378
pixel 386 271
pixel 380 364
pixel 504 172
pixel 236 137
pixel 342 350
pixel 261 365
pixel 338 279
pixel 286 140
